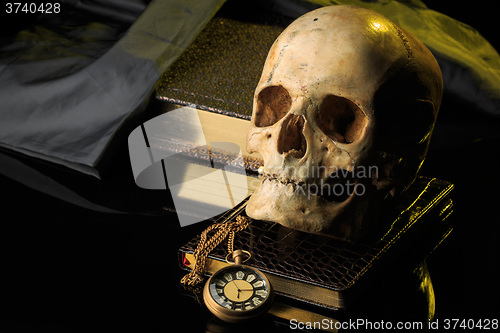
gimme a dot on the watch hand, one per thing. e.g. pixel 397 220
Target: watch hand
pixel 236 285
pixel 237 288
pixel 242 289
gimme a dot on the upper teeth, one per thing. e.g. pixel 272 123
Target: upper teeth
pixel 284 180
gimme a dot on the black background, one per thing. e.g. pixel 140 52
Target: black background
pixel 67 269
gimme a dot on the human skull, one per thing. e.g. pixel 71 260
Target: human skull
pixel 342 117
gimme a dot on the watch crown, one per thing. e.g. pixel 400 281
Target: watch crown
pixel 238 257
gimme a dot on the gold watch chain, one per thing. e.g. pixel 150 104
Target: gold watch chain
pixel 207 244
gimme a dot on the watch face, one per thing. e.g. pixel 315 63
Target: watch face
pixel 239 288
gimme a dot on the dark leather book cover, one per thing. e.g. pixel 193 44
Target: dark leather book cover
pixel 221 68
pixel 328 272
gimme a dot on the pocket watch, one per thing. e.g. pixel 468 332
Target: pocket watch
pixel 238 292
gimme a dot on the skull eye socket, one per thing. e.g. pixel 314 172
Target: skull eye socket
pixel 340 119
pixel 273 104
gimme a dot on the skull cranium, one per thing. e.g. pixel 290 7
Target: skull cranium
pixel 342 116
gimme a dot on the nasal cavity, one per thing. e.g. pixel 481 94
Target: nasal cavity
pixel 291 139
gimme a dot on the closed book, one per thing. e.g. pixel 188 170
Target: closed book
pixel 331 273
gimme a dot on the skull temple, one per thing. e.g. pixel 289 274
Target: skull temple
pixel 342 118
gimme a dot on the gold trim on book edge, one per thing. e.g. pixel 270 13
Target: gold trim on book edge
pixel 287 312
pixel 302 291
pixel 414 217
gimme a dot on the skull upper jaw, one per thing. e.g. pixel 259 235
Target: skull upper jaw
pixel 303 208
pixel 282 203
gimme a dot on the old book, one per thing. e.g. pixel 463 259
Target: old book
pixel 330 273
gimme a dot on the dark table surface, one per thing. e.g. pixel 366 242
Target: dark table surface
pixel 66 268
